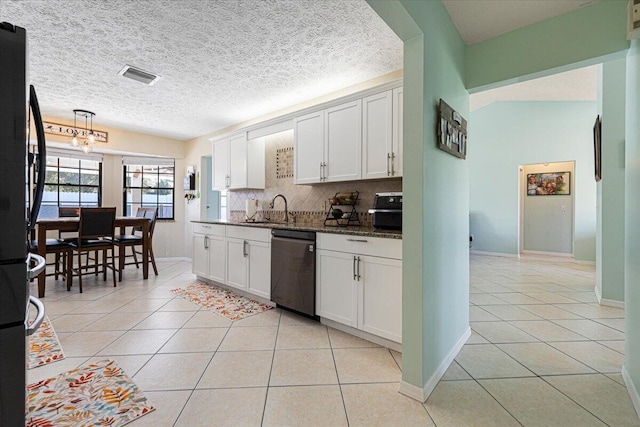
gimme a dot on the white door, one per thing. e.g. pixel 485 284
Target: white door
pixel 343 142
pixel 260 269
pixel 238 161
pixel 547 214
pixel 396 155
pixel 237 263
pixel 337 291
pixel 377 126
pixel 217 258
pixel 308 148
pixel 220 165
pixel 200 264
pixel 380 289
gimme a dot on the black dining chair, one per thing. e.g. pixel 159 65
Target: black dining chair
pixel 95 233
pixel 58 247
pixel 123 241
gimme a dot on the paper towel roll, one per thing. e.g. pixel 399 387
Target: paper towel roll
pixel 251 208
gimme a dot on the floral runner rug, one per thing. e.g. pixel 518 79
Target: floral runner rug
pixel 44 346
pixel 221 301
pixel 97 394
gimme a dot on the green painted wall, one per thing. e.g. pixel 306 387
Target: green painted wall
pixel 594 31
pixel 610 204
pixel 506 135
pixel 436 189
pixel 632 219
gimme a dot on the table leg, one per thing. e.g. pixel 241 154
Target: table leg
pixel 42 251
pixel 145 250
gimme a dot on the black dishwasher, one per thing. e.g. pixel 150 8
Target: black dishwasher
pixel 293 270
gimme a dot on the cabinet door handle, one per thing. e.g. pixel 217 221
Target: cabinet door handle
pixel 244 248
pixel 206 242
pixel 320 171
pixel 354 267
pixel 358 269
pixel 393 160
pixel 357 240
pixel 388 160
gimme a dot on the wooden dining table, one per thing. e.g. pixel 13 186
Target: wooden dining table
pixel 72 224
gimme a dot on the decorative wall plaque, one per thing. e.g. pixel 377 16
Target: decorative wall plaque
pixel 65 130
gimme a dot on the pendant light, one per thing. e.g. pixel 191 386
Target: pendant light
pixel 86 137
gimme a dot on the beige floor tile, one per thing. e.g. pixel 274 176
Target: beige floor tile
pixel 303 367
pixel 485 299
pixel 250 338
pixel 588 392
pixel 592 354
pixel 224 407
pixel 517 298
pixel 339 339
pixel 60 307
pixel 292 319
pixel 465 403
pixel 612 323
pixel 166 320
pixel 117 321
pixel 543 359
pixel 172 371
pixel 194 341
pixel 549 312
pixel 207 319
pixel 180 304
pixel 510 312
pixel 143 305
pixel 545 330
pixel 614 345
pixel 138 342
pixel 267 318
pixel 51 370
pixel 168 405
pixel 550 297
pixel 455 372
pixel 501 332
pixel 74 322
pixel 303 337
pixel 364 365
pixel 381 405
pixel 580 296
pixel 617 378
pixel 534 402
pixel 101 306
pixel 304 406
pixel 397 356
pixel 230 369
pixel 591 329
pixel 593 311
pixel 87 343
pixel 130 364
pixel 476 339
pixel 479 314
pixel 488 361
pixel 492 287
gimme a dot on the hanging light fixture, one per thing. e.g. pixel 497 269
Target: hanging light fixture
pixel 85 137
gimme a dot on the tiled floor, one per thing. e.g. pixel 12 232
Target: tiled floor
pixel 542 352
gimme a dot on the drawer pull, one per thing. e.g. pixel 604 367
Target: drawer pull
pixel 357 240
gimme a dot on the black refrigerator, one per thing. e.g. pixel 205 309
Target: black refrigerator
pixel 18 213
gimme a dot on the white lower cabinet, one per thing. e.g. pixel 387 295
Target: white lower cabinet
pixel 237 264
pixel 200 260
pixel 209 252
pixel 362 289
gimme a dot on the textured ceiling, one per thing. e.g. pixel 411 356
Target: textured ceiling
pixel 575 85
pixel 478 20
pixel 222 62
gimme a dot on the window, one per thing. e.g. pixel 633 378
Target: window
pixel 71 180
pixel 149 183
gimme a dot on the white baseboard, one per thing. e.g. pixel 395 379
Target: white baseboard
pixel 631 388
pixel 549 254
pixel 362 334
pixel 421 394
pixel 607 302
pixel 173 259
pixel 500 254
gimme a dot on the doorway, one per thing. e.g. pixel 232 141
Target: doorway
pixel 547 193
pixel 210 202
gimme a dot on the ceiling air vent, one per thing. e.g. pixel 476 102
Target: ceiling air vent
pixel 139 75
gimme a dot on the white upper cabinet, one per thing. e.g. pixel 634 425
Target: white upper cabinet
pixel 238 163
pixel 377 135
pixel 343 142
pixel 309 147
pixel 396 157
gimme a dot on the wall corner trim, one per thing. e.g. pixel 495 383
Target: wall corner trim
pixel 421 394
pixel 607 302
pixel 631 388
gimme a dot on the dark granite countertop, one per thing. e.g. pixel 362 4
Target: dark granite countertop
pixel 351 230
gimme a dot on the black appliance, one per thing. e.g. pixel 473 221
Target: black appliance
pixel 387 211
pixel 293 270
pixel 16 218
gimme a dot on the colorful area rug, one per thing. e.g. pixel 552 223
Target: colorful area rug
pixel 99 394
pixel 44 346
pixel 221 301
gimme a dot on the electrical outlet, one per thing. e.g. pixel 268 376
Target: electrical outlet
pixel 471 238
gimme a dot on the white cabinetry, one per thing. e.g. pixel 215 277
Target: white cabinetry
pixel 328 145
pixel 249 260
pixel 209 254
pixel 382 135
pixel 360 283
pixel 398 112
pixel 238 163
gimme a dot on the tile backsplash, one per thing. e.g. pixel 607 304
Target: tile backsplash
pixel 309 202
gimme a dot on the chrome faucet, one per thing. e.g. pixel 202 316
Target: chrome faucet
pixel 286 210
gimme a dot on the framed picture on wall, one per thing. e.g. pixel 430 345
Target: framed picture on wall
pixel 597 148
pixel 549 184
